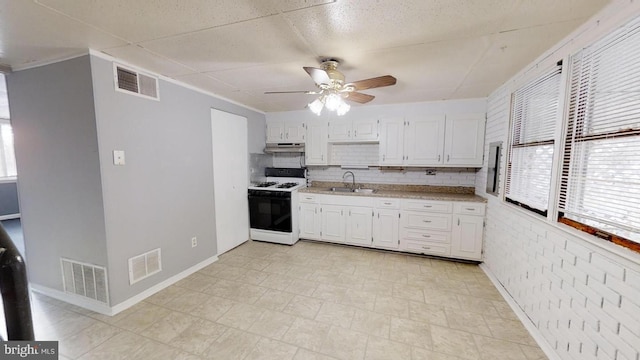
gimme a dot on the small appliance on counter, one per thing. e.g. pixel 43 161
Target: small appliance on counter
pixel 273 215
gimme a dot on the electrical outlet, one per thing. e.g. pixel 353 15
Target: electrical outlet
pixel 194 242
pixel 430 172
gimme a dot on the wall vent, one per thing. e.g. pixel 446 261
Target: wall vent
pixel 85 280
pixel 134 82
pixel 145 265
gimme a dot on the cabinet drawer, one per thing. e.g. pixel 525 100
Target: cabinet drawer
pixel 423 247
pixel 430 206
pixel 430 236
pixel 426 221
pixel 387 203
pixel 308 198
pixel 469 208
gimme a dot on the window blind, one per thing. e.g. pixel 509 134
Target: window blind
pixel 600 182
pixel 534 114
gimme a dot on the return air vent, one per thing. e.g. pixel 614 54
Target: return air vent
pixel 131 81
pixel 145 265
pixel 85 280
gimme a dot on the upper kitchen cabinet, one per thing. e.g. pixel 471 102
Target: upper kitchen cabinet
pixel 285 130
pixel 353 129
pixel 316 144
pixel 464 140
pixel 432 140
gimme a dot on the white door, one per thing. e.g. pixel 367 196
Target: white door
pixel 424 141
pixel 359 226
pixel 464 142
pixel 316 145
pixel 391 150
pixel 333 223
pixel 230 179
pixel 386 227
pixel 309 221
pixel 294 131
pixel 466 239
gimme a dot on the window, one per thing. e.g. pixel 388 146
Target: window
pixel 534 114
pixel 7 156
pixel 600 183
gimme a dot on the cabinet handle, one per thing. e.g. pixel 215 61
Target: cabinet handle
pixel 428 221
pixel 387 203
pixel 426 247
pixel 355 133
pixel 458 221
pixel 348 133
pixel 438 158
pixel 427 236
pixel 286 136
pixel 470 209
pixel 428 206
pixel 447 158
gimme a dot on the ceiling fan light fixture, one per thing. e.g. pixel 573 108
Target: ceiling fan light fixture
pixel 333 101
pixel 316 106
pixel 343 108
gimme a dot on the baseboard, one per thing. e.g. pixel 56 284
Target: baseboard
pixel 113 310
pixel 72 299
pixel 160 286
pixel 531 328
pixel 10 216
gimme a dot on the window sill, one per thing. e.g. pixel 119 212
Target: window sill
pixel 7 180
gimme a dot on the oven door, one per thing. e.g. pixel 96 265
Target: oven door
pixel 270 210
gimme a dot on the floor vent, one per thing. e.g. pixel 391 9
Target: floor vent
pixel 86 280
pixel 145 265
pixel 132 81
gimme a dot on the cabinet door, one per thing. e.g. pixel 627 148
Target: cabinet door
pixel 391 142
pixel 359 225
pixel 386 226
pixel 364 129
pixel 464 140
pixel 294 131
pixel 333 223
pixel 466 239
pixel 316 143
pixel 339 130
pixel 309 221
pixel 275 131
pixel 424 141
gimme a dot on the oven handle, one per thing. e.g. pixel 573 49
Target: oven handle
pixel 269 195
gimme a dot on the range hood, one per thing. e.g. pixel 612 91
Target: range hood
pixel 284 147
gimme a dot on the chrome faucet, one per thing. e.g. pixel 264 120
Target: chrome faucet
pixel 353 179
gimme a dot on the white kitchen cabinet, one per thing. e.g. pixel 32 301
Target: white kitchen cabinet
pixel 386 223
pixel 310 221
pixel 316 143
pixel 468 229
pixel 353 130
pixel 432 140
pixel 391 149
pixel 425 227
pixel 424 139
pixel 464 140
pixel 334 223
pixel 359 222
pixel 285 130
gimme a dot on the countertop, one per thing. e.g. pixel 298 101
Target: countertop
pixel 399 192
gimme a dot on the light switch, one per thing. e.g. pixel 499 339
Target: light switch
pixel 118 157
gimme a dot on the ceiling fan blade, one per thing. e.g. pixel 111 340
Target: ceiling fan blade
pixel 293 92
pixel 375 82
pixel 359 97
pixel 318 75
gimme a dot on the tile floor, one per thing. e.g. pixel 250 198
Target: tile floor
pixel 307 301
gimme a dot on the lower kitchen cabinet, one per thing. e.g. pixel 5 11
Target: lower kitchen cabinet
pixel 310 221
pixel 334 223
pixel 440 228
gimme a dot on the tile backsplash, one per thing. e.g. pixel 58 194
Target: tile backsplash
pixel 367 155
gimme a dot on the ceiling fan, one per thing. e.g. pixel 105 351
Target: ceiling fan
pixel 333 90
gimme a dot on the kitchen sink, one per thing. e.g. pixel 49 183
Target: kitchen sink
pixel 364 191
pixel 340 189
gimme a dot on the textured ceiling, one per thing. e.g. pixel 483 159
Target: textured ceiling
pixel 437 49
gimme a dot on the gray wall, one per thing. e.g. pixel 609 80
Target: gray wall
pixel 163 196
pixel 53 120
pixel 9 198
